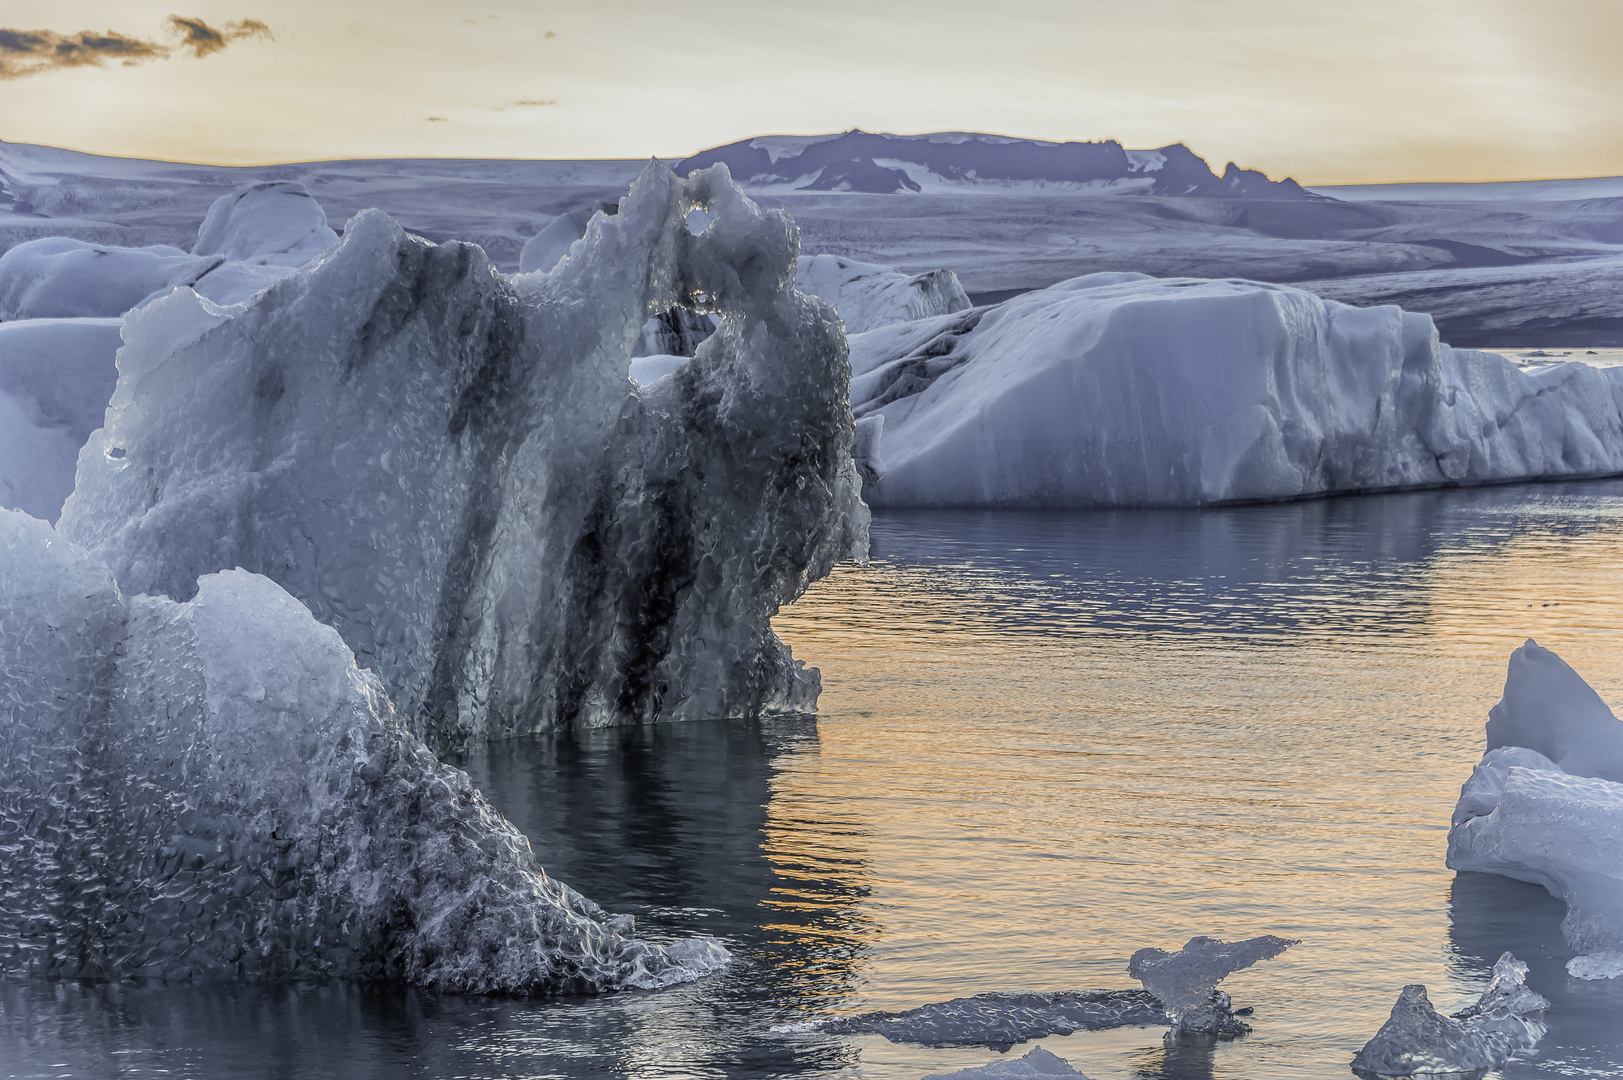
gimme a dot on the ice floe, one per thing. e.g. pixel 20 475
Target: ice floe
pixel 1187 978
pixel 1185 982
pixel 213 789
pixel 452 468
pixel 1037 1062
pixel 1545 804
pixel 869 296
pixel 1125 390
pixel 1417 1040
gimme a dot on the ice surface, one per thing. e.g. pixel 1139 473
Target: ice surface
pixel 1416 1040
pixel 1186 981
pixel 868 296
pixel 272 222
pixel 1124 390
pixel 453 469
pixel 544 250
pixel 1002 1019
pixel 1542 805
pixel 1606 964
pixel 213 789
pixel 62 278
pixel 55 378
pixel 1036 1062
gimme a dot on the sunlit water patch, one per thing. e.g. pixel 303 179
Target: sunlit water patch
pixel 1046 741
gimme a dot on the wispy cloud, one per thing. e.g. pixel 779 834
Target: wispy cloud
pixel 29 52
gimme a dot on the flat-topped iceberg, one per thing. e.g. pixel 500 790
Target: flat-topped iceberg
pixel 1126 390
pixel 1417 1040
pixel 213 789
pixel 1545 805
pixel 452 468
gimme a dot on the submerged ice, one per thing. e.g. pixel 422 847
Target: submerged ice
pixel 1417 1040
pixel 1180 990
pixel 1125 390
pixel 1034 1064
pixel 213 789
pixel 451 468
pixel 1545 804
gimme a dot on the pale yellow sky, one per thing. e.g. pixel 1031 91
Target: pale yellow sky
pixel 1329 92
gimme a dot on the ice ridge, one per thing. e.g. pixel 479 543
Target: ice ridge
pixel 213 789
pixel 1545 804
pixel 1417 1040
pixel 451 467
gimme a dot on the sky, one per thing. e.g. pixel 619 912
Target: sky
pixel 1354 91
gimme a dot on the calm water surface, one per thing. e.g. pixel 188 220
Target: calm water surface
pixel 1046 741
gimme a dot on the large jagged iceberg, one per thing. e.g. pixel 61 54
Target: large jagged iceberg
pixel 213 789
pixel 1126 390
pixel 1417 1040
pixel 1545 804
pixel 451 467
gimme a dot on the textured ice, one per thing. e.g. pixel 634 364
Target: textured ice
pixel 1545 805
pixel 1417 1040
pixel 55 378
pixel 1124 390
pixel 1002 1019
pixel 452 468
pixel 58 277
pixel 1186 981
pixel 869 297
pixel 213 789
pixel 1036 1062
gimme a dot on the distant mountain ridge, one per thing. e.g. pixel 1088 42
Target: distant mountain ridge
pixel 860 161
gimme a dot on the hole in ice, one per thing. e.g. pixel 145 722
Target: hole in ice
pixel 117 453
pixel 698 220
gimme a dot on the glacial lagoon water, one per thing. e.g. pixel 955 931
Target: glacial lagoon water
pixel 1046 740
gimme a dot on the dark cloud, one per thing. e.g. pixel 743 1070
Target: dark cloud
pixel 201 39
pixel 29 52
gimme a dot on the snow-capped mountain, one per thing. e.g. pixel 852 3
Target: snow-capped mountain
pixel 960 161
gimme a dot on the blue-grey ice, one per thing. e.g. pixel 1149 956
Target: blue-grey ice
pixel 213 789
pixel 451 467
pixel 1545 804
pixel 1185 982
pixel 1417 1040
pixel 1036 1062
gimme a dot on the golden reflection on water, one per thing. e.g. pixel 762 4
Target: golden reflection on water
pixel 1049 740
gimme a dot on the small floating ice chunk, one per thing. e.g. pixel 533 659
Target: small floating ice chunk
pixel 1037 1062
pixel 1607 964
pixel 1186 980
pixel 1417 1040
pixel 999 1020
pixel 1545 805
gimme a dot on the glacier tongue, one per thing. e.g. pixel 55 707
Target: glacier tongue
pixel 452 468
pixel 214 789
pixel 1126 390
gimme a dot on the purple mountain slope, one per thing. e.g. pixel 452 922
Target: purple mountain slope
pixel 883 164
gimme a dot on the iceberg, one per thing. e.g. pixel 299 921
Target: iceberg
pixel 452 468
pixel 1035 1063
pixel 1185 982
pixel 869 297
pixel 1125 390
pixel 1545 805
pixel 62 278
pixel 1417 1040
pixel 248 240
pixel 214 789
pixel 55 378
